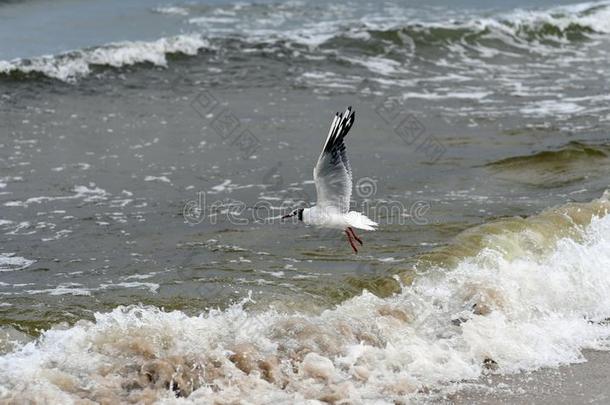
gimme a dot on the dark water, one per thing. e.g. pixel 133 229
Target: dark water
pixel 466 113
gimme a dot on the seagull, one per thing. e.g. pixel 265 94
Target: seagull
pixel 333 179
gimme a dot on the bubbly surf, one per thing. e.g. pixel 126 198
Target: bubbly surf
pixel 524 294
pixel 109 295
pixel 72 65
pixel 341 31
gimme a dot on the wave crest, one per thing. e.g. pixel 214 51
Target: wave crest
pixel 533 293
pixel 520 32
pixel 72 65
pixel 569 164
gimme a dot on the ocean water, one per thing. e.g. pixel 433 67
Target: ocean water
pixel 147 150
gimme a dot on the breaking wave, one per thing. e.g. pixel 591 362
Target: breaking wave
pixel 72 65
pixel 515 294
pixel 518 32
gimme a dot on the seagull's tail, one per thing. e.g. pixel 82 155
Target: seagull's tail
pixel 360 221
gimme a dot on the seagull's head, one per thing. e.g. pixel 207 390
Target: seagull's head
pixel 298 213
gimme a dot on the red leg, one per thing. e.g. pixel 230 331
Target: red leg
pixel 351 242
pixel 354 235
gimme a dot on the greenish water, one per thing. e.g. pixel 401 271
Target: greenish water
pixel 126 176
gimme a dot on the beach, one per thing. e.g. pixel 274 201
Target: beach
pixel 144 168
pixel 575 384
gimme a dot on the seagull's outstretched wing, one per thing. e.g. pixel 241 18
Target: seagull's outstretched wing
pixel 333 174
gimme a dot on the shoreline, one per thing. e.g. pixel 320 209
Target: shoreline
pixel 587 382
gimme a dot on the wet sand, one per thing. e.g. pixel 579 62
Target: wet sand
pixel 583 383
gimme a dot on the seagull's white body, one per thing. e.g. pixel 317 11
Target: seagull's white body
pixel 334 219
pixel 333 179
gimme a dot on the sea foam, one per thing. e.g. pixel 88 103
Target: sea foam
pixel 527 31
pixel 534 294
pixel 72 65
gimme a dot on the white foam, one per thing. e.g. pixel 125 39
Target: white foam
pixel 172 10
pixel 72 65
pixel 551 107
pixel 475 95
pixel 10 262
pixel 89 193
pixel 152 287
pixel 525 311
pixel 595 15
pixel 511 28
pixel 213 19
pixel 383 66
pixel 63 289
pixel 226 185
pixel 64 233
pixel 163 179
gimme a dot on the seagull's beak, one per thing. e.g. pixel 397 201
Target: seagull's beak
pixel 287 216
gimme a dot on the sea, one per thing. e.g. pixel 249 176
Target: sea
pixel 149 148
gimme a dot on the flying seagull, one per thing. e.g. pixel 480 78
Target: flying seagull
pixel 333 178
